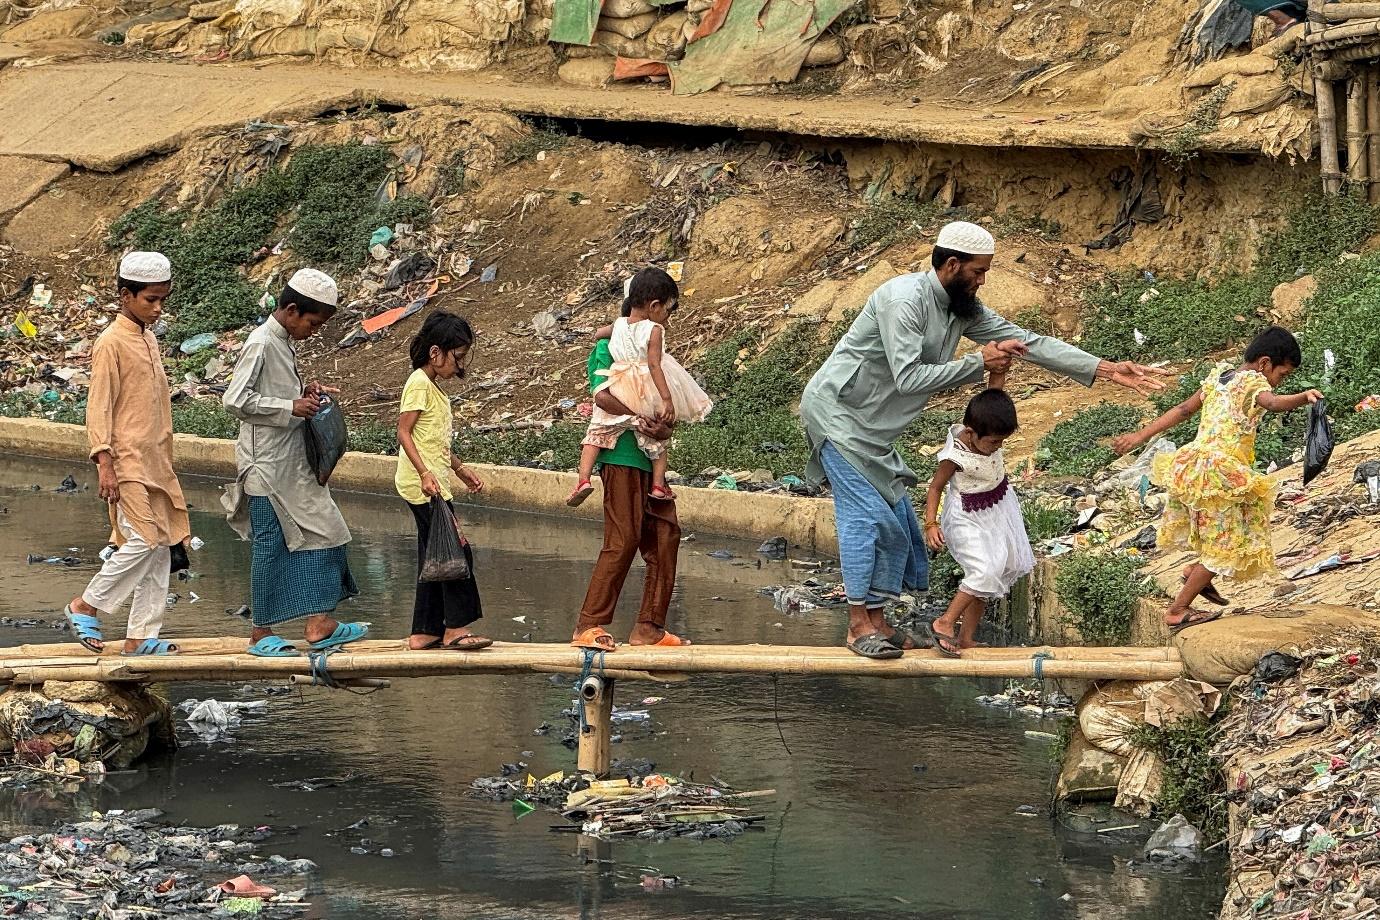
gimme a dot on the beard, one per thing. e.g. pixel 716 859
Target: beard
pixel 963 303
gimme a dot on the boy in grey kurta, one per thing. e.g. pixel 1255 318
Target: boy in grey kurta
pixel 299 567
pixel 897 354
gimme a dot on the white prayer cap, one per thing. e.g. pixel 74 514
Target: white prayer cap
pixel 146 268
pixel 970 239
pixel 315 284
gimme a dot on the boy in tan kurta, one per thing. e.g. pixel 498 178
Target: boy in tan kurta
pixel 129 426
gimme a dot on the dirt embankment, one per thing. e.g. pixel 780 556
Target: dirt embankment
pixel 768 230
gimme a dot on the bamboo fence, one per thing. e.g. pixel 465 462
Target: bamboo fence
pixel 1343 43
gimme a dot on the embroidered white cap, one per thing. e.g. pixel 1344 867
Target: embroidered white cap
pixel 146 267
pixel 315 284
pixel 970 239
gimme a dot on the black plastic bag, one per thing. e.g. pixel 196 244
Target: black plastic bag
pixel 178 561
pixel 445 557
pixel 1318 449
pixel 326 437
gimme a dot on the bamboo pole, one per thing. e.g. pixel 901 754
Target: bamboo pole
pixel 519 657
pixel 1342 56
pixel 1363 29
pixel 1327 136
pixel 1357 162
pixel 1372 82
pixel 596 732
pixel 1344 12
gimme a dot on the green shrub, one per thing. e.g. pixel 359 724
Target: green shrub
pixel 1072 447
pixel 519 447
pixel 370 436
pixel 1044 520
pixel 1099 591
pixel 894 219
pixel 1177 319
pixel 545 136
pixel 1193 782
pixel 205 418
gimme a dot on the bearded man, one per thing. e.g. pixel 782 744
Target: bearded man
pixel 897 354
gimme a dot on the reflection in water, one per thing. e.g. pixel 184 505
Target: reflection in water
pixel 898 798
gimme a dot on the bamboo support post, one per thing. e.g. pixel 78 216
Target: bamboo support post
pixel 1338 58
pixel 375 683
pixel 596 728
pixel 1327 136
pixel 1372 82
pixel 1357 161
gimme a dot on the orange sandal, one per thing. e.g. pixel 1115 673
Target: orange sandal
pixel 670 640
pixel 662 495
pixel 597 639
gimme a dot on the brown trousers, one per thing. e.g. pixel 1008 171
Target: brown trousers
pixel 633 523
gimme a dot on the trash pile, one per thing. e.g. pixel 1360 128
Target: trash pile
pixel 71 729
pixel 660 807
pixel 213 720
pixel 1032 700
pixel 1302 753
pixel 123 865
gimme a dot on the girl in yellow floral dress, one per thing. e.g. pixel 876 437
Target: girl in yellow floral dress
pixel 1218 505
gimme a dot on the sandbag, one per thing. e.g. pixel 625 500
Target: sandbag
pixel 1142 783
pixel 631 27
pixel 445 556
pixel 826 52
pixel 667 38
pixel 1221 651
pixel 1318 449
pixel 591 72
pixel 622 9
pixel 326 439
pixel 619 46
pixel 1111 712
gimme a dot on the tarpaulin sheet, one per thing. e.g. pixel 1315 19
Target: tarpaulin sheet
pixel 760 42
pixel 573 21
pixel 637 68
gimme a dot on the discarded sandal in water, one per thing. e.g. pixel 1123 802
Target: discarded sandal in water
pixel 242 886
pixel 875 646
pixel 597 639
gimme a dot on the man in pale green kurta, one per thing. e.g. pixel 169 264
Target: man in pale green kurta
pixel 897 354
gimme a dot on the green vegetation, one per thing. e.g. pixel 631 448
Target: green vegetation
pixel 1183 145
pixel 1073 447
pixel 1193 782
pixel 945 575
pixel 1044 520
pixel 545 136
pixel 1035 320
pixel 205 418
pixel 330 191
pixel 22 405
pixel 1099 591
pixel 1343 318
pixel 523 447
pixel 893 219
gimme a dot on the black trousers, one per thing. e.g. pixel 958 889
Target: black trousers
pixel 442 605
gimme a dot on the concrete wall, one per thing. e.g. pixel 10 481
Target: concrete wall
pixel 807 523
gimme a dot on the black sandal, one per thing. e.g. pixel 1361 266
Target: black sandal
pixel 1194 618
pixel 875 646
pixel 919 638
pixel 1210 594
pixel 946 644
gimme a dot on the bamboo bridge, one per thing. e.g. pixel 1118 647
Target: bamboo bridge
pixel 372 663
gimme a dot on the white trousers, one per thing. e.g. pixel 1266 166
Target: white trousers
pixel 137 569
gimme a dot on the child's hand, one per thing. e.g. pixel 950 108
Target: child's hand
pixel 934 537
pixel 430 487
pixel 471 481
pixel 667 416
pixel 1124 444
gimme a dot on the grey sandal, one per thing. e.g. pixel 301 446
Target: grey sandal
pixel 875 646
pixel 920 637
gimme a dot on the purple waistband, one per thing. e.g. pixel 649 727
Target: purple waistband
pixel 981 501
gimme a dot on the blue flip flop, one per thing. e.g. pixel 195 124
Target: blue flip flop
pixel 87 629
pixel 152 647
pixel 274 647
pixel 344 634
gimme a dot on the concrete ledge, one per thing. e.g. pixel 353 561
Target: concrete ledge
pixel 804 522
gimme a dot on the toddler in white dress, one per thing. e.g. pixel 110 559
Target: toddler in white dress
pixel 981 523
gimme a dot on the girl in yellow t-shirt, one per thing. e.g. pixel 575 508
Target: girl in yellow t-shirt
pixel 443 611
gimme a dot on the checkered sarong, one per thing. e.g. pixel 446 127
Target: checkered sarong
pixel 285 585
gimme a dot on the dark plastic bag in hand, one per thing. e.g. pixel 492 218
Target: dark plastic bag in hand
pixel 325 436
pixel 445 557
pixel 178 560
pixel 1318 450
